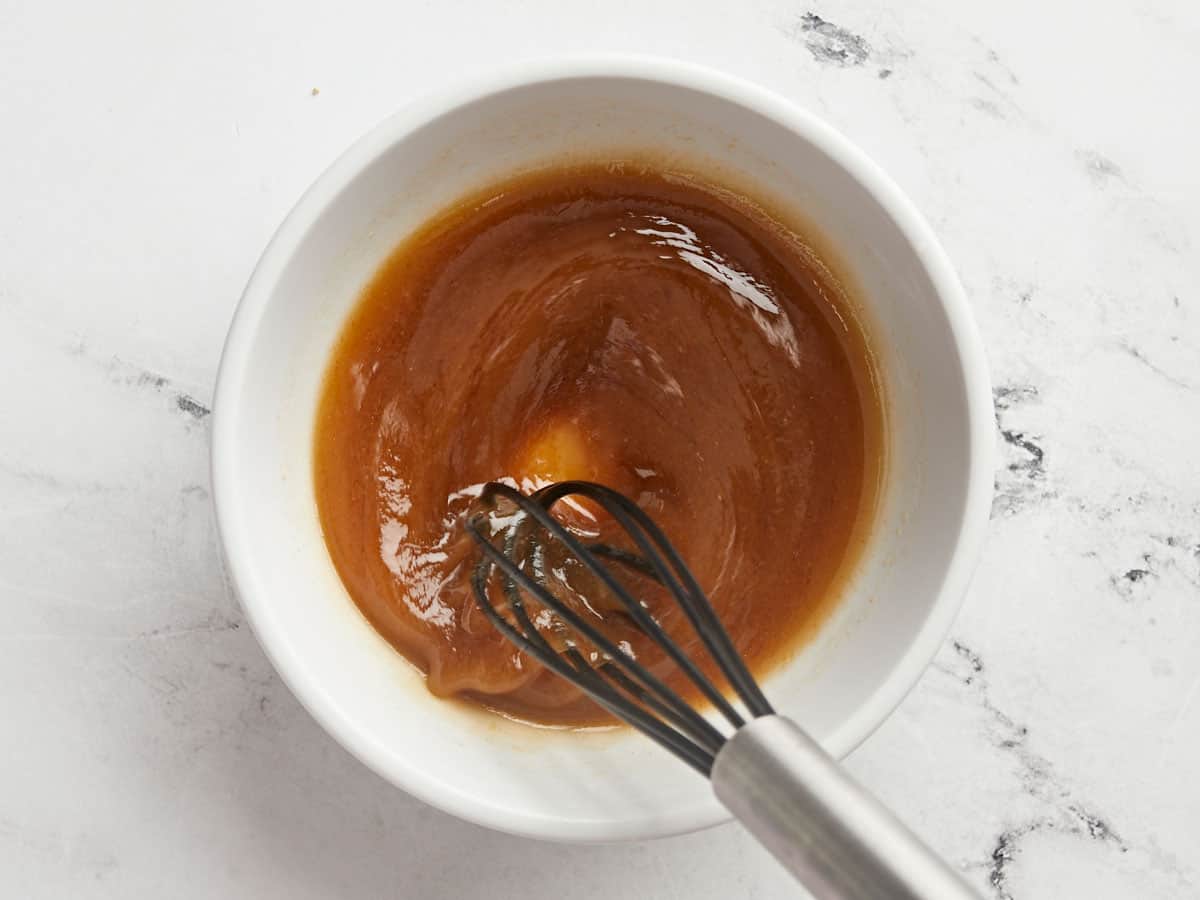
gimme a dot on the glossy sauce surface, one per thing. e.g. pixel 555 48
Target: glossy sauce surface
pixel 649 331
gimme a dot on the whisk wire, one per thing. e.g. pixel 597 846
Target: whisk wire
pixel 637 610
pixel 697 727
pixel 676 711
pixel 581 674
pixel 537 506
pixel 618 683
pixel 699 610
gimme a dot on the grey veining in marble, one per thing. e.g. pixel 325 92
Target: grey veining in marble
pixel 148 748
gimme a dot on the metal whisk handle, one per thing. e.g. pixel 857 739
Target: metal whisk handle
pixel 837 839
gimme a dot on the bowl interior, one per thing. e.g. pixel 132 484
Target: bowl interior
pixel 591 786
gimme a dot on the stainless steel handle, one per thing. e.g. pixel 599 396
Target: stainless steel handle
pixel 838 840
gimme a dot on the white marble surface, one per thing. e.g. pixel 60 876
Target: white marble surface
pixel 149 149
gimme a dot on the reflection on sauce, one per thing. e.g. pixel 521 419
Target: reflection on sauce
pixel 642 330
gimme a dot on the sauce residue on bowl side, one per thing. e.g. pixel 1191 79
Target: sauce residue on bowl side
pixel 647 329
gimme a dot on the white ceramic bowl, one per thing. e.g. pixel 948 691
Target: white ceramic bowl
pixel 572 786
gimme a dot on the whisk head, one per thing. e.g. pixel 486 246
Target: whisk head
pixel 535 618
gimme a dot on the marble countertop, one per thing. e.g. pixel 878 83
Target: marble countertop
pixel 150 149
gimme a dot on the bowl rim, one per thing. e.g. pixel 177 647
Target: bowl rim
pixel 239 345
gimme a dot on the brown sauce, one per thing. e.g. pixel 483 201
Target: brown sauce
pixel 647 330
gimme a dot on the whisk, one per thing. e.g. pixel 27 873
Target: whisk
pixel 795 799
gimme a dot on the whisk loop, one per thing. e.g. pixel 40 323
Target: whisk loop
pixel 617 681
